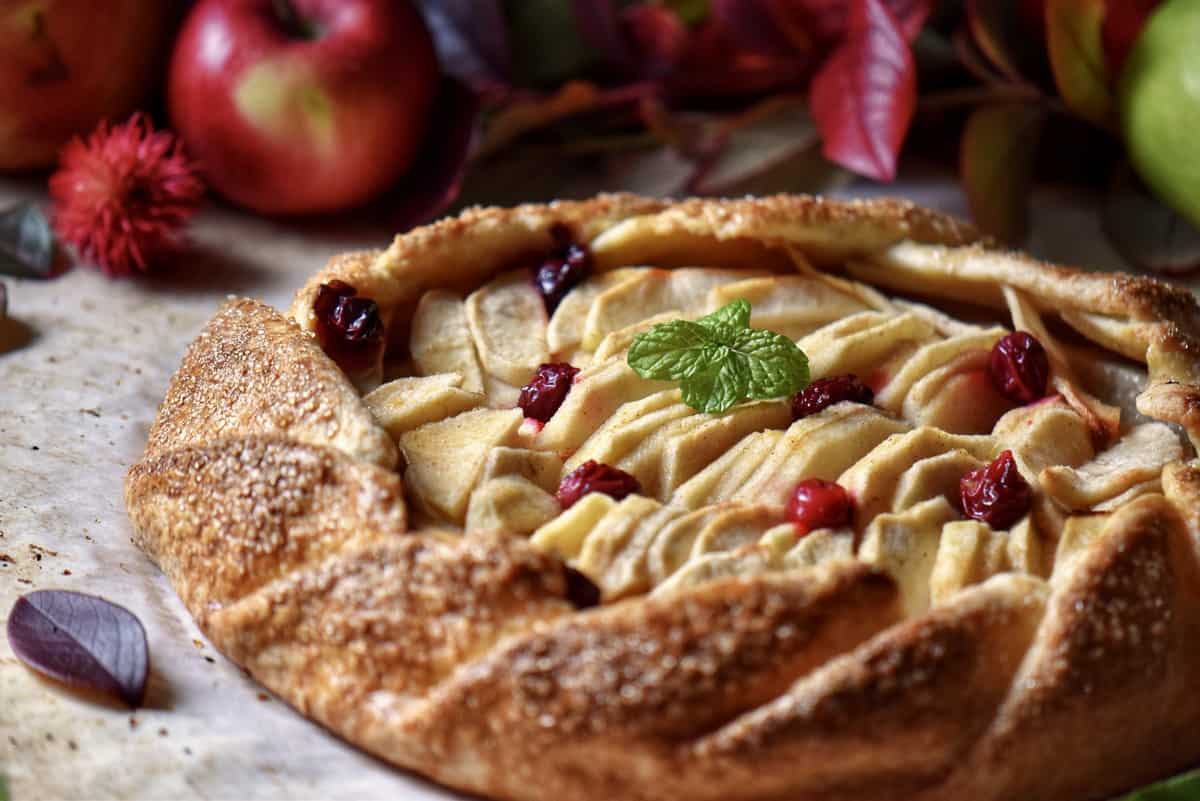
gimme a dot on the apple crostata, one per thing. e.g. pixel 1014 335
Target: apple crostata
pixel 745 499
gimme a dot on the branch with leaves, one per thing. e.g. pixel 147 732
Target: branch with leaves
pixel 733 96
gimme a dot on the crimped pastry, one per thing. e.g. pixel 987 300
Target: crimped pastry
pixel 727 662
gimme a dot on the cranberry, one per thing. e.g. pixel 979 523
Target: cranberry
pixel 542 396
pixel 818 504
pixel 568 265
pixel 1020 367
pixel 997 494
pixel 592 476
pixel 348 327
pixel 824 392
pixel 581 590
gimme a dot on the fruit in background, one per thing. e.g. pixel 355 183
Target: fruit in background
pixel 1160 106
pixel 64 66
pixel 299 106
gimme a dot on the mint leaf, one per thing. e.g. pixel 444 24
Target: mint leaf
pixel 775 365
pixel 1185 787
pixel 673 351
pixel 725 323
pixel 718 390
pixel 720 360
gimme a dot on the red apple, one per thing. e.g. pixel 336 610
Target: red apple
pixel 67 64
pixel 297 106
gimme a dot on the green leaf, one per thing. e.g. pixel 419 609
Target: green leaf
pixel 1160 106
pixel 719 359
pixel 775 365
pixel 1147 232
pixel 546 45
pixel 1074 41
pixel 724 324
pixel 3 789
pixel 997 157
pixel 717 390
pixel 674 351
pixel 26 242
pixel 1185 787
pixel 692 12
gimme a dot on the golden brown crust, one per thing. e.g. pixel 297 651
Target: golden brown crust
pixel 253 372
pixel 226 518
pixel 461 658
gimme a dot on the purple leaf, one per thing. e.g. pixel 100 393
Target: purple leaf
pixel 429 189
pixel 81 640
pixel 471 37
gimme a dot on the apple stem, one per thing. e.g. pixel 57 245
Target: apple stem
pixel 293 23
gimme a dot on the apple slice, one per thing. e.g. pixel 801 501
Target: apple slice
pixel 905 545
pixel 821 446
pixel 632 423
pixel 928 358
pixel 686 452
pixel 650 292
pixel 627 571
pixel 508 322
pixel 722 477
pixel 1043 434
pixel 609 537
pixel 858 344
pixel 1136 458
pixel 791 305
pixel 931 477
pixel 598 391
pixel 440 339
pixel 565 534
pixel 819 547
pixel 615 344
pixel 540 467
pixel 672 547
pixel 959 396
pixel 874 479
pixel 511 504
pixel 1078 534
pixel 734 527
pixel 407 403
pixel 748 562
pixel 968 553
pixel 445 458
pixel 564 333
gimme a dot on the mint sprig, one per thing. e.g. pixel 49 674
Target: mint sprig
pixel 1184 787
pixel 720 360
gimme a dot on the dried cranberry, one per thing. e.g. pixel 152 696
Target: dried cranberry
pixel 592 476
pixel 1020 367
pixel 824 392
pixel 816 503
pixel 997 494
pixel 581 590
pixel 542 396
pixel 348 327
pixel 564 268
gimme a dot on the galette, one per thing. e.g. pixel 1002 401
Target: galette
pixel 713 499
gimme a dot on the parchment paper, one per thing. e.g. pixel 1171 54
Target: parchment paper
pixel 75 405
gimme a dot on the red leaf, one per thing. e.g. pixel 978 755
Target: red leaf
pixel 1123 22
pixel 659 38
pixel 864 94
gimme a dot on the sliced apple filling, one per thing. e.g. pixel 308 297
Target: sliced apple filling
pixel 713 490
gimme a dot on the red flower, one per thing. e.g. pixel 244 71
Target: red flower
pixel 122 196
